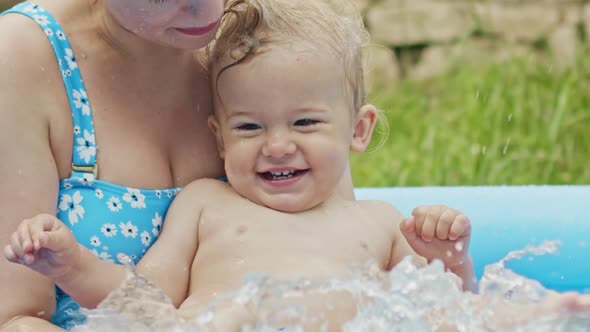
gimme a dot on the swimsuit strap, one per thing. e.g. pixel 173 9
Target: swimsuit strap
pixel 84 147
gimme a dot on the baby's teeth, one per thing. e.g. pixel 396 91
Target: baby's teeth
pixel 283 173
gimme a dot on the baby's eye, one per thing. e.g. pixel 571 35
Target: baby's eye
pixel 248 126
pixel 306 122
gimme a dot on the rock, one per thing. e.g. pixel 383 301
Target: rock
pixel 563 43
pixel 434 61
pixel 405 22
pixel 586 19
pixel 382 69
pixel 525 21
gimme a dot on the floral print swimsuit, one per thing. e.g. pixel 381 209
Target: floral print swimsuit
pixel 106 218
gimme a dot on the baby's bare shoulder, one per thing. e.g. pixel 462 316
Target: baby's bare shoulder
pixel 205 189
pixel 382 211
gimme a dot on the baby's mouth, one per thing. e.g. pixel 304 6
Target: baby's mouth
pixel 282 175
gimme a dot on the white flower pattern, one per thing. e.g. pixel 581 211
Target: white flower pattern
pixel 95 241
pixel 135 198
pixel 114 204
pixel 108 230
pixel 72 205
pixel 99 194
pixel 87 179
pixel 32 9
pixel 70 59
pixel 86 146
pixel 42 20
pixel 81 101
pixel 128 229
pixel 157 223
pixel 146 238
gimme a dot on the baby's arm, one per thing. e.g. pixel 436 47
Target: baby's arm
pixel 44 244
pixel 390 219
pixel 440 232
pixel 168 262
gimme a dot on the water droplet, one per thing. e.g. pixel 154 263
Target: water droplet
pixel 505 149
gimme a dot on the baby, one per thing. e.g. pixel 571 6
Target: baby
pixel 289 107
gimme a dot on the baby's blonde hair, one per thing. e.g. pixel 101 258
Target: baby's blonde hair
pixel 248 25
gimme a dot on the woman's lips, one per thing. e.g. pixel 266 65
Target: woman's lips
pixel 197 31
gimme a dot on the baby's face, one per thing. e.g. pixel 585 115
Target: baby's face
pixel 284 127
pixel 186 24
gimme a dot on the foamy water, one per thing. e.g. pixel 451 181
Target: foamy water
pixel 405 299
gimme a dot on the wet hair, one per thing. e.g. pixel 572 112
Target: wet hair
pixel 336 26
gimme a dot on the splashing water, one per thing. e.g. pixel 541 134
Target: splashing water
pixel 407 298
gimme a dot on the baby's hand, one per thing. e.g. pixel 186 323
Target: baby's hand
pixel 438 232
pixel 43 244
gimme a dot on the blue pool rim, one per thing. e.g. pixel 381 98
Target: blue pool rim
pixel 507 218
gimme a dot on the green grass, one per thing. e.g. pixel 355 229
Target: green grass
pixel 518 122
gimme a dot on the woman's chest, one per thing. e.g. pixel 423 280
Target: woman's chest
pixel 140 142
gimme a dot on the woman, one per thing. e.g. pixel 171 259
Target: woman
pixel 98 147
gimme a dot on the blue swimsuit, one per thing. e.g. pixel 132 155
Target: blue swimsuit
pixel 106 218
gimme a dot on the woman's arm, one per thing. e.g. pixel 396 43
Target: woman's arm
pixel 26 323
pixel 28 186
pixel 28 171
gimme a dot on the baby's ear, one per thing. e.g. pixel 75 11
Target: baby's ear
pixel 366 118
pixel 216 130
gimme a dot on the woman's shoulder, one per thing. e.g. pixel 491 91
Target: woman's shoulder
pixel 21 40
pixel 30 74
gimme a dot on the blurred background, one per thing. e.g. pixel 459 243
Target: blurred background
pixel 480 92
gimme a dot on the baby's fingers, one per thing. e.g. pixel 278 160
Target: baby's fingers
pixel 56 240
pixel 443 227
pixel 16 252
pixel 24 235
pixel 461 227
pixel 10 254
pixel 39 230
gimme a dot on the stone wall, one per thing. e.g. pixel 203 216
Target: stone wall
pixel 420 38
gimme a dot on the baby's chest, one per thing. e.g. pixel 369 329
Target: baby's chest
pixel 302 241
